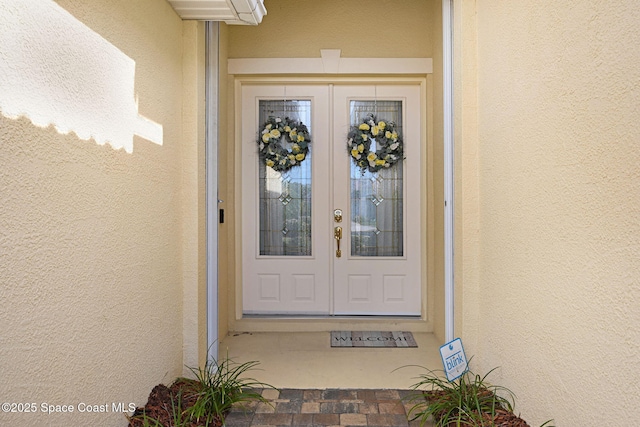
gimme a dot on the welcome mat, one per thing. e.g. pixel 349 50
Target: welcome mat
pixel 372 339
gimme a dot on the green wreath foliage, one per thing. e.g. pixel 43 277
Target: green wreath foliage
pixel 271 151
pixel 389 146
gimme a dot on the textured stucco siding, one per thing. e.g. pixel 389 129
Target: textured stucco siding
pixel 91 237
pixel 558 200
pixel 361 29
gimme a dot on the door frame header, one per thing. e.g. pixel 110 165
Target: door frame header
pixel 330 62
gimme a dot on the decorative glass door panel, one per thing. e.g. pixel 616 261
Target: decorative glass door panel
pixel 285 197
pixel 324 237
pixel 376 197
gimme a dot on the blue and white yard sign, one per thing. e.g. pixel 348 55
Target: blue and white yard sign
pixel 453 359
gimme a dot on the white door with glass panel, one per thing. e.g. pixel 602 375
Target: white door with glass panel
pixel 324 236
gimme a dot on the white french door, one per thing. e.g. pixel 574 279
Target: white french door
pixel 324 237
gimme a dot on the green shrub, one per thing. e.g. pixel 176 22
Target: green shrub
pixel 467 401
pixel 203 401
pixel 222 386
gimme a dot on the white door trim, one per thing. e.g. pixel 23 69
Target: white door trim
pixel 447 78
pixel 330 62
pixel 240 322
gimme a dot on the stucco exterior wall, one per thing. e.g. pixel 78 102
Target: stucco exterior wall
pixel 557 198
pixel 436 174
pixel 362 29
pixel 194 196
pixel 92 238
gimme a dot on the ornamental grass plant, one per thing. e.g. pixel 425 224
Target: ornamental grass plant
pixel 222 386
pixel 202 401
pixel 467 401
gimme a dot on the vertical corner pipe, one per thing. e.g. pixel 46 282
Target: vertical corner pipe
pixel 211 155
pixel 447 60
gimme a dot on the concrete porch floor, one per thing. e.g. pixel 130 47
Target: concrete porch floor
pixel 306 360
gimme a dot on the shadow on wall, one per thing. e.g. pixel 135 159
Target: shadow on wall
pixel 55 70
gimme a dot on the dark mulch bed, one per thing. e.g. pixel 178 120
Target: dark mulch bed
pixel 162 401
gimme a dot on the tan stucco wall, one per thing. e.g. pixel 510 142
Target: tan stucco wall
pixel 362 29
pixel 194 197
pixel 552 297
pixel 97 245
pixel 436 175
pixel 300 29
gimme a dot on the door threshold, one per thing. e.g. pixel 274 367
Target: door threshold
pixel 329 317
pixel 311 323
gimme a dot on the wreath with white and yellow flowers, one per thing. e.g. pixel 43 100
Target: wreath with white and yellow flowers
pixel 389 145
pixel 272 153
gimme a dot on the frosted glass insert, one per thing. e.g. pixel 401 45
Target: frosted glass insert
pixel 377 197
pixel 285 197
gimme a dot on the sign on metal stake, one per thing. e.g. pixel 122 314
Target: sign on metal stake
pixel 453 359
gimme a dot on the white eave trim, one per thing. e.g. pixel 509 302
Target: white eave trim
pixel 330 62
pixel 248 12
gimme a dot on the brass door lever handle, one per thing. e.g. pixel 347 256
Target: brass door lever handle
pixel 337 234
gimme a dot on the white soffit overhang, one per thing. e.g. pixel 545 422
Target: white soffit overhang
pixel 230 11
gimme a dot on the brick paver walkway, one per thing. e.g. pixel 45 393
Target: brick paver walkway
pixel 320 408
